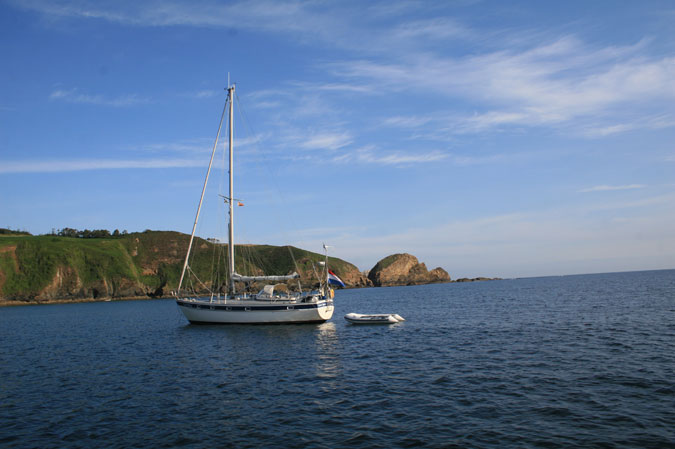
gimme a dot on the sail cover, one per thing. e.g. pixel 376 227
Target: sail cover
pixel 239 277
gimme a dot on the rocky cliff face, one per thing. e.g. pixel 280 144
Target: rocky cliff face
pixel 355 279
pixel 405 269
pixel 67 284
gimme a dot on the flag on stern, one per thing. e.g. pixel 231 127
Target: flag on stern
pixel 334 279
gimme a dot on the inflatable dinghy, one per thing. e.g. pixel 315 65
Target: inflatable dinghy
pixel 381 318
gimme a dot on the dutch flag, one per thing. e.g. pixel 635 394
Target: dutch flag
pixel 334 279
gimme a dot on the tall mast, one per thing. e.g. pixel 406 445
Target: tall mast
pixel 201 200
pixel 325 266
pixel 230 245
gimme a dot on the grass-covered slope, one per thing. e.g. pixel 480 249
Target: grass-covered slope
pixel 30 264
pixel 43 268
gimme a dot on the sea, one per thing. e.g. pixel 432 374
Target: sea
pixel 582 361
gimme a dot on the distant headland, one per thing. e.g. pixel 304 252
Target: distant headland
pixel 76 266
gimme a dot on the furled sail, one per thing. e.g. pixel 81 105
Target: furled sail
pixel 239 277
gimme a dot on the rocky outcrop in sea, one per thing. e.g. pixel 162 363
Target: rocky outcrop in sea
pixel 405 269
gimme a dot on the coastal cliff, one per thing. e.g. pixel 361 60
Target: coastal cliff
pixel 40 269
pixel 51 268
pixel 405 269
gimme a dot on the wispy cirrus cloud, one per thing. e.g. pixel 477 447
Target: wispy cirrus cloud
pixel 358 26
pixel 535 80
pixel 608 188
pixel 187 146
pixel 58 166
pixel 369 155
pixel 193 146
pixel 437 29
pixel 194 154
pixel 295 17
pixel 76 96
pixel 551 84
pixel 649 122
pixel 335 87
pixel 413 121
pixel 328 141
pixel 201 94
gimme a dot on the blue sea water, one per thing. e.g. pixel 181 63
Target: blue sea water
pixel 574 361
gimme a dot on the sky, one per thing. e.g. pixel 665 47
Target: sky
pixel 491 138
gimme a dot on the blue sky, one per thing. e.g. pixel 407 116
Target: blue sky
pixel 491 138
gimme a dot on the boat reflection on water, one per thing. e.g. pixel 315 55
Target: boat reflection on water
pixel 328 364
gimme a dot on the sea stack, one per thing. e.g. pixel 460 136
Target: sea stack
pixel 405 269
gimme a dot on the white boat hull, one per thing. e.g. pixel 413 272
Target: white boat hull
pixel 255 312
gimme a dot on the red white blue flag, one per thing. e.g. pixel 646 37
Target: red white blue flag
pixel 334 279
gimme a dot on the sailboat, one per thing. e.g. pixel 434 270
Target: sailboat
pixel 268 305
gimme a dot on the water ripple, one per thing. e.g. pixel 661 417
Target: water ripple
pixel 579 361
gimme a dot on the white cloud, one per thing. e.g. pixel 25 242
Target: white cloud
pixel 188 146
pixel 266 15
pixel 75 96
pixel 402 158
pixel 655 122
pixel 205 94
pixel 328 141
pixel 553 83
pixel 57 166
pixel 534 81
pixel 436 29
pixel 606 188
pixel 368 155
pixel 409 121
pixel 337 87
pixel 602 131
pixel 485 159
